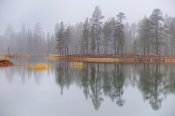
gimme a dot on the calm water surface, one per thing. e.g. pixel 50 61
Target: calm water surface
pixel 91 90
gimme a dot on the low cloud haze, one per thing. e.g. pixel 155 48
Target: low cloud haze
pixel 49 12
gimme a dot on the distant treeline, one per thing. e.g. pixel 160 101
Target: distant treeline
pixel 152 35
pixel 25 41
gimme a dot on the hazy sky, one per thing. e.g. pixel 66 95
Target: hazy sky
pixel 49 12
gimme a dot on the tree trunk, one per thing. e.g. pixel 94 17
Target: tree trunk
pixel 98 49
pixel 157 44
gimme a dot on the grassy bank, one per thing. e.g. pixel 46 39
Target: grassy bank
pixel 116 58
pixel 98 58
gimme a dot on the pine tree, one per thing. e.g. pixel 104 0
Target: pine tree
pixel 119 33
pixel 107 34
pixel 60 38
pixel 67 39
pixel 85 41
pixel 96 29
pixel 145 35
pixel 157 28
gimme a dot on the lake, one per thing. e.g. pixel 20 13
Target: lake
pixel 86 89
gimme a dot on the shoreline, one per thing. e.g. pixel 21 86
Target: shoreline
pixel 130 59
pixel 102 58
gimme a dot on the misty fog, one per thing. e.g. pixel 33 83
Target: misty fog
pixel 34 26
pixel 49 12
pixel 87 57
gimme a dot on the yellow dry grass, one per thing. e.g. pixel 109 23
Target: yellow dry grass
pixel 4 58
pixel 77 65
pixel 38 67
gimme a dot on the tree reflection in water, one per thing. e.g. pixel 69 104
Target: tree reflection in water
pixel 62 75
pixel 101 81
pixel 95 80
pixel 117 85
pixel 113 84
pixel 96 86
pixel 155 84
pixel 108 80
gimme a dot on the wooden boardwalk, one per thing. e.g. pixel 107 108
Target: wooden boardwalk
pixel 118 59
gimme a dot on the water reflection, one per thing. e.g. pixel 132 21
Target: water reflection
pixel 101 81
pixel 98 80
pixel 155 83
pixel 63 78
pixel 23 73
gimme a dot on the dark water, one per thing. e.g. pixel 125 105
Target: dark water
pixel 94 90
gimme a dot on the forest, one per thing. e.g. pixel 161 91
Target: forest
pixel 152 35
